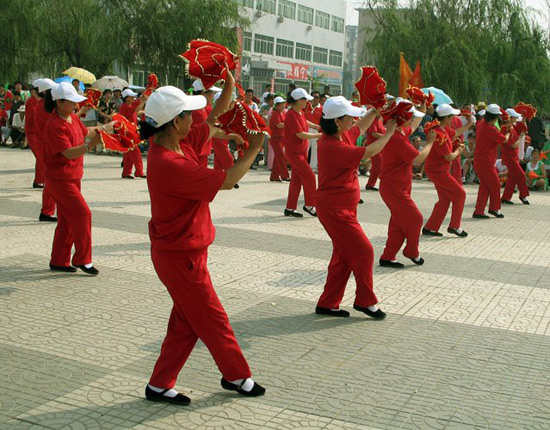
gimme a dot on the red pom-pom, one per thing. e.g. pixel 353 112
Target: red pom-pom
pixel 400 113
pixel 526 110
pixel 371 88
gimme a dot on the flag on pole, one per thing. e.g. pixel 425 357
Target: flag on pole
pixel 405 75
pixel 416 79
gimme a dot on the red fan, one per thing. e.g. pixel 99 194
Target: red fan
pixel 242 120
pixel 92 98
pixel 466 112
pixel 505 128
pixel 527 111
pixel 371 87
pixel 533 175
pixel 125 135
pixel 152 85
pixel 504 115
pixel 240 91
pixel 206 61
pixel 521 127
pixel 429 126
pixel 417 96
pixel 399 112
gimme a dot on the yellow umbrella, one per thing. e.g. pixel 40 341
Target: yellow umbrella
pixel 81 74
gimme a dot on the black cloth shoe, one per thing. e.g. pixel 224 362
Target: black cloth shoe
pixel 47 218
pixel 236 186
pixel 312 211
pixel 455 231
pixel 370 188
pixel 480 216
pixel 496 214
pixel 91 271
pixel 524 200
pixel 293 213
pixel 128 177
pixel 142 176
pixel 418 262
pixel 427 232
pixel 378 315
pixel 507 202
pixel 361 201
pixel 66 269
pixel 275 180
pixel 122 164
pixel 257 389
pixel 37 185
pixel 286 180
pixel 178 399
pixel 332 313
pixel 388 263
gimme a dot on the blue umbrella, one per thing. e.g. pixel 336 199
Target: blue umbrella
pixel 440 96
pixel 67 79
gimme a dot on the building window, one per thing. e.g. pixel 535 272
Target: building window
pixel 247 41
pixel 263 44
pixel 287 9
pixel 320 55
pixel 337 24
pixel 266 5
pixel 305 14
pixel 335 58
pixel 247 3
pixel 285 48
pixel 322 19
pixel 303 52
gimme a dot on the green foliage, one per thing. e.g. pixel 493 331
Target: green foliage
pixel 473 50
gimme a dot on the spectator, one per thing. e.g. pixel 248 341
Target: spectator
pixel 4 126
pixel 248 95
pixel 313 116
pixel 326 90
pixel 76 85
pixel 468 158
pixel 536 167
pixel 16 104
pixel 266 92
pixel 502 172
pixel 291 87
pixel 267 105
pixel 8 101
pixel 117 98
pixel 536 132
pixel 107 107
pixel 18 128
pixel 418 168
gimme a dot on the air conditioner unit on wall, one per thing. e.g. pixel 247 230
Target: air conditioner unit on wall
pixel 309 28
pixel 280 19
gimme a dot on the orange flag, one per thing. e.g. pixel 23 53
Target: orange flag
pixel 405 75
pixel 416 78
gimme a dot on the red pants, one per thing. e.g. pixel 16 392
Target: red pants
pixel 405 222
pixel 448 190
pixel 197 314
pixel 48 203
pixel 223 159
pixel 301 174
pixel 351 252
pixel 131 159
pixel 74 224
pixel 516 176
pixel 375 166
pixel 456 169
pixel 489 187
pixel 279 170
pixel 38 166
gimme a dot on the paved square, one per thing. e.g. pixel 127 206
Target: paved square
pixel 466 344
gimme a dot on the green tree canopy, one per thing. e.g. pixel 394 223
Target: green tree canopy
pixel 474 50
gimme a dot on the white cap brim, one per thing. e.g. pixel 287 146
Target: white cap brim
pixel 215 89
pixel 455 112
pixel 482 112
pixel 417 113
pixel 76 98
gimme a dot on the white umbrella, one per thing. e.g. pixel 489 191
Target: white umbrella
pixel 110 83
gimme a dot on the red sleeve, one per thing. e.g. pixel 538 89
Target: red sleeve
pixel 198 137
pixel 59 137
pixel 193 182
pixel 135 103
pixel 495 136
pixel 406 151
pixel 293 124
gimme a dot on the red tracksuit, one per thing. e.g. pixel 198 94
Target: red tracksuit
pixel 296 154
pixel 376 161
pixel 204 150
pixel 41 117
pixel 223 159
pixel 447 187
pixel 181 230
pixel 516 175
pixel 74 219
pixel 485 156
pixel 456 164
pixel 337 199
pixel 30 132
pixel 131 158
pixel 279 169
pixel 395 190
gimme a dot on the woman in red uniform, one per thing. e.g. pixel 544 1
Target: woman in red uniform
pixel 395 189
pixel 375 132
pixel 437 167
pixel 279 171
pixel 337 198
pixel 129 109
pixel 30 115
pixel 181 230
pixel 41 117
pixel 488 138
pixel 296 147
pixel 64 149
pixel 510 158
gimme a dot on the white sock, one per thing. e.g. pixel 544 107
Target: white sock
pixel 88 266
pixel 373 308
pixel 291 210
pixel 170 393
pixel 393 261
pixel 311 208
pixel 416 258
pixel 498 212
pixel 246 386
pixel 459 230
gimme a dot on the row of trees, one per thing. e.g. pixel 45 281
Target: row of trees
pixel 99 35
pixel 489 50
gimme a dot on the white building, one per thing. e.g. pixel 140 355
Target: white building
pixel 293 41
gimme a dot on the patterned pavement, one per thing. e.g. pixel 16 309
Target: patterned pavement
pixel 466 344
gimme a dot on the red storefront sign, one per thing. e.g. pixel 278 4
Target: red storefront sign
pixel 298 71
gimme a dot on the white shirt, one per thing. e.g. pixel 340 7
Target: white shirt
pixel 17 122
pixel 500 167
pixel 254 107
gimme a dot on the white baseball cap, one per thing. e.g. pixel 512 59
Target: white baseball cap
pixel 300 93
pixel 494 109
pixel 414 111
pixel 338 106
pixel 445 109
pixel 65 91
pixel 278 99
pixel 199 86
pixel 482 112
pixel 44 84
pixel 129 93
pixel 513 113
pixel 217 95
pixel 168 102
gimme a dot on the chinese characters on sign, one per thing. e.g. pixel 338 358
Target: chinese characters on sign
pixel 297 71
